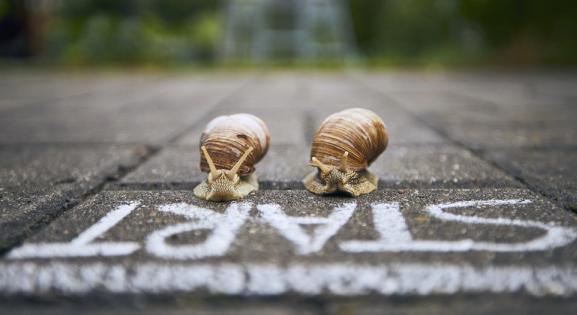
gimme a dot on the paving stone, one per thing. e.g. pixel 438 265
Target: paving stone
pixel 285 166
pixel 450 107
pixel 286 126
pixel 407 82
pixel 69 131
pixel 38 181
pixel 83 103
pixel 509 90
pixel 445 106
pixel 480 124
pixel 173 166
pixel 295 110
pixel 485 135
pixel 552 172
pixel 273 92
pixel 178 166
pixel 37 88
pixel 153 116
pixel 402 128
pixel 330 96
pixel 436 166
pixel 275 100
pixel 407 130
pixel 436 242
pixel 521 91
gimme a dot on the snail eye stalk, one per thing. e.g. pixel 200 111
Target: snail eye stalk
pixel 323 167
pixel 238 164
pixel 211 165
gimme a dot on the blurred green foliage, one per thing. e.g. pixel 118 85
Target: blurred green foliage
pixel 387 32
pixel 135 32
pixel 509 32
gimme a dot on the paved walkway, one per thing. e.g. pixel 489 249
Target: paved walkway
pixel 475 209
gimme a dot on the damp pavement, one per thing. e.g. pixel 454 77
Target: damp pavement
pixel 476 209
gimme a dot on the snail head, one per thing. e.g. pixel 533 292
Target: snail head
pixel 223 184
pixel 335 178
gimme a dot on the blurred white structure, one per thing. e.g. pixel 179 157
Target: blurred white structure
pixel 263 30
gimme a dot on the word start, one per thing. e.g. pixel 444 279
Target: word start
pixel 389 224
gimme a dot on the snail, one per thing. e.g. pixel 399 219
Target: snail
pixel 343 147
pixel 230 147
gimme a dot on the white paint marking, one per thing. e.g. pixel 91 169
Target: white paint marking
pixel 224 229
pixel 395 237
pixel 289 227
pixel 390 223
pixel 346 279
pixel 82 245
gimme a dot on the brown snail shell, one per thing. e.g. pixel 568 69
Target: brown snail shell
pixel 230 147
pixel 226 138
pixel 344 146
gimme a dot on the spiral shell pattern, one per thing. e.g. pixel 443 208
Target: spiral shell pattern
pixel 226 138
pixel 358 131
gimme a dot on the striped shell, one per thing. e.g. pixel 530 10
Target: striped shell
pixel 226 138
pixel 358 131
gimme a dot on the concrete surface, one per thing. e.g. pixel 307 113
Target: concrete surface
pixel 475 210
pixel 39 181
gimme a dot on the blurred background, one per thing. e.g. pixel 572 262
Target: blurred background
pixel 365 33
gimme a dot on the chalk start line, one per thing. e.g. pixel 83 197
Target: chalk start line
pixel 267 280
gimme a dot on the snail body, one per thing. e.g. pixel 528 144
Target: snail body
pixel 230 147
pixel 343 147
